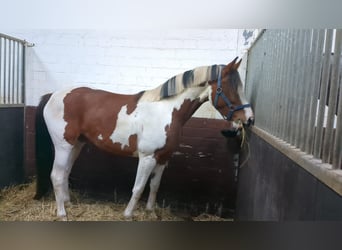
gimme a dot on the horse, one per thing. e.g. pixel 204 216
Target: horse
pixel 145 125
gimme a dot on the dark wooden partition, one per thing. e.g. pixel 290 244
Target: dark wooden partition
pixel 11 145
pixel 273 187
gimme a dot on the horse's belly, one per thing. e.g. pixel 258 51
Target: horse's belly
pixel 118 148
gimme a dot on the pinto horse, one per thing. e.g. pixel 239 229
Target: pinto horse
pixel 145 125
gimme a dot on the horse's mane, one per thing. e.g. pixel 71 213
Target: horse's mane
pixel 178 83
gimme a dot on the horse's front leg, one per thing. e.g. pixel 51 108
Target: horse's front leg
pixel 154 186
pixel 145 167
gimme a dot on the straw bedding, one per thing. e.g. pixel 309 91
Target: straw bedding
pixel 17 204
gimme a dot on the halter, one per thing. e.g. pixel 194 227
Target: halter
pixel 219 93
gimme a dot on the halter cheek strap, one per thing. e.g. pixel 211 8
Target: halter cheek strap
pixel 219 93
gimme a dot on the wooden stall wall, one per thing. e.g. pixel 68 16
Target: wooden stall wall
pixel 272 187
pixel 11 145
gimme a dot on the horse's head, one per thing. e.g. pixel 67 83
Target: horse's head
pixel 228 97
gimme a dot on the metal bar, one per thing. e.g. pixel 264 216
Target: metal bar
pixel 323 93
pixel 23 42
pixel 13 73
pixel 296 100
pixel 286 83
pixel 1 72
pixel 308 89
pixel 276 82
pixel 304 91
pixel 11 67
pixel 337 149
pixel 23 75
pixel 300 89
pixel 279 83
pixel 10 85
pixel 290 97
pixel 270 79
pixel 264 85
pixel 333 94
pixel 5 72
pixel 272 82
pixel 337 156
pixel 18 73
pixel 315 82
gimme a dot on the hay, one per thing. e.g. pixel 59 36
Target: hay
pixel 17 204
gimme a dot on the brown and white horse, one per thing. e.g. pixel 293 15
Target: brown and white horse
pixel 145 125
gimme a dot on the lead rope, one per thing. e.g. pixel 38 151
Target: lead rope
pixel 244 141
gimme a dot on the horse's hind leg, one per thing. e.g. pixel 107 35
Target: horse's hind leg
pixel 154 186
pixel 145 167
pixel 65 155
pixel 74 154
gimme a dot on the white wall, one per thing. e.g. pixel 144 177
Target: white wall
pixel 122 61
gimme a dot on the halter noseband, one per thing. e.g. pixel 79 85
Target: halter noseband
pixel 219 93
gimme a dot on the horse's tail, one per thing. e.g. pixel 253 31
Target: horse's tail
pixel 44 151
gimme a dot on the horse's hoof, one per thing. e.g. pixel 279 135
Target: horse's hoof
pixel 61 218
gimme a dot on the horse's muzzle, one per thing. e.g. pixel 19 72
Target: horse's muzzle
pixel 249 122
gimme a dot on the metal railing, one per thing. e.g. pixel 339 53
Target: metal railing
pixel 12 70
pixel 294 84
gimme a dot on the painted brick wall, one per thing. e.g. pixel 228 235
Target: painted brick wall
pixel 123 61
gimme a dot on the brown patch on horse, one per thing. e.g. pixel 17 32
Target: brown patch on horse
pixel 90 113
pixel 174 129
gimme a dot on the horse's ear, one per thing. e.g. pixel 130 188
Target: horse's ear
pixel 236 66
pixel 231 65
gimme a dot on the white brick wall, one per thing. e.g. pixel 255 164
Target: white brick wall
pixel 122 61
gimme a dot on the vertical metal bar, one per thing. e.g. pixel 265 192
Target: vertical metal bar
pixel 337 155
pixel 18 73
pixel 291 78
pixel 333 94
pixel 23 75
pixel 20 65
pixel 315 83
pixel 265 82
pixel 296 100
pixel 273 83
pixel 10 64
pixel 1 72
pixel 270 80
pixel 308 88
pixel 303 90
pixel 278 83
pixel 13 73
pixel 323 93
pixel 5 72
pixel 289 49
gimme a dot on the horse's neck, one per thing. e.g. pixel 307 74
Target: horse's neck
pixel 188 102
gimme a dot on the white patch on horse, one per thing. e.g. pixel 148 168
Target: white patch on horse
pixel 125 127
pixel 248 111
pixel 54 116
pixel 149 120
pixel 100 137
